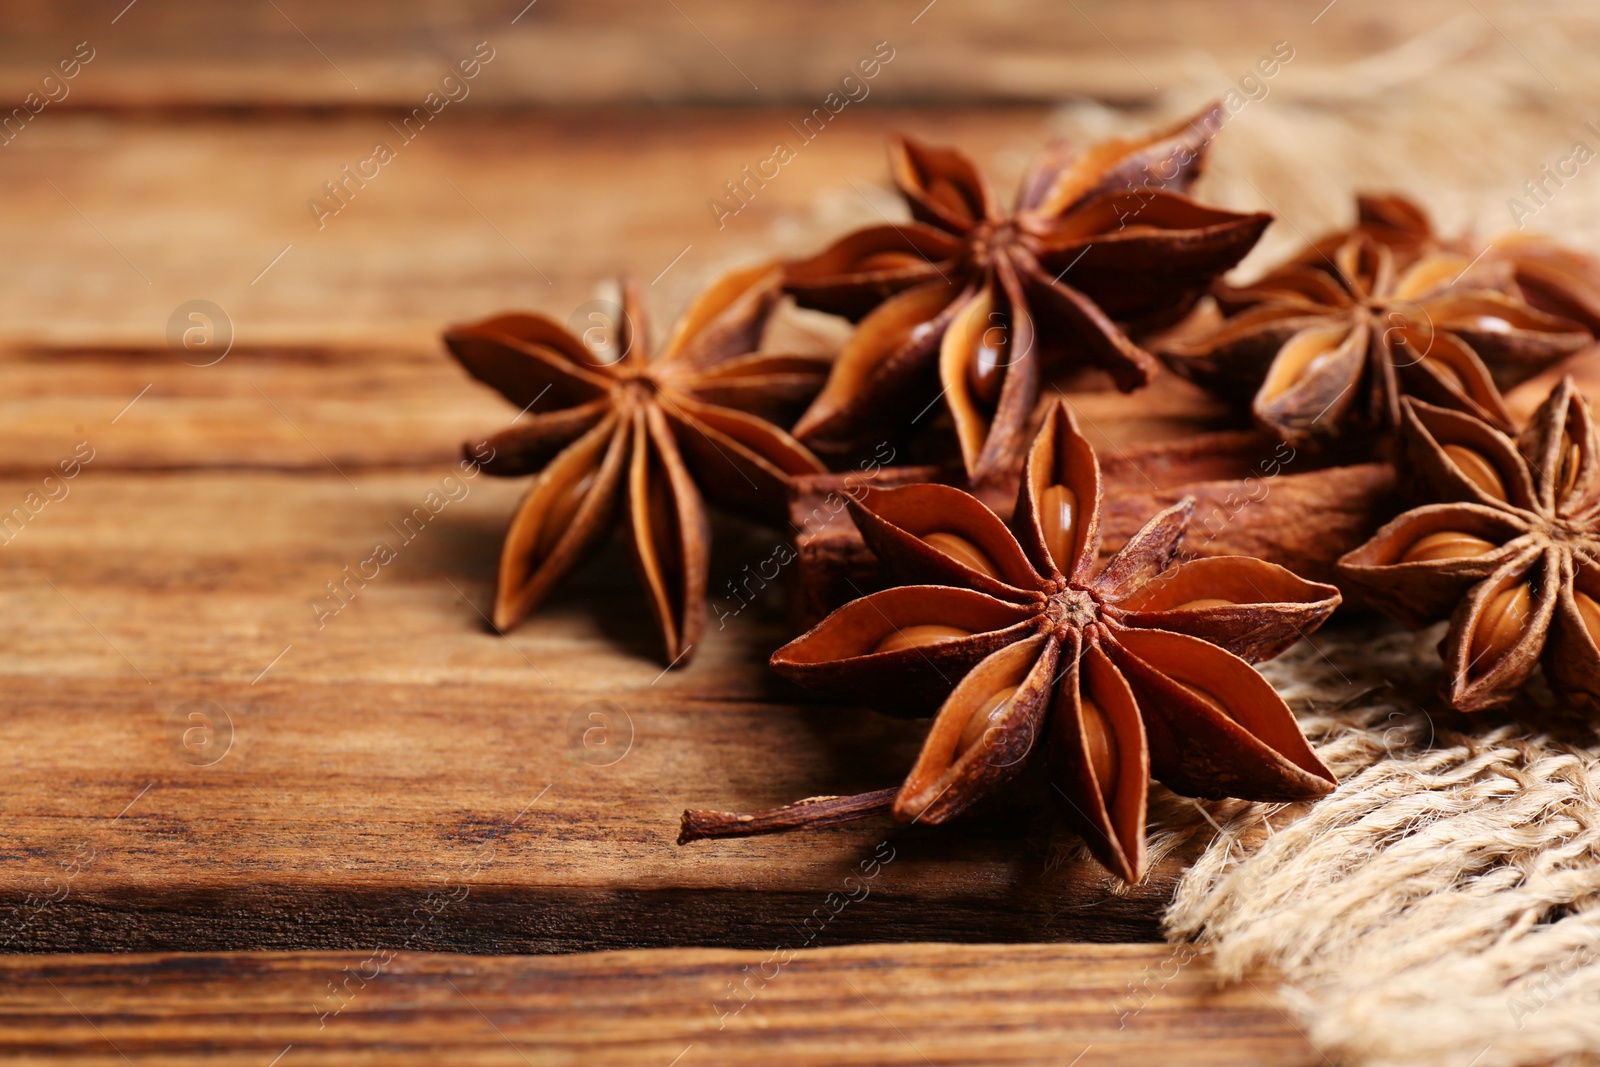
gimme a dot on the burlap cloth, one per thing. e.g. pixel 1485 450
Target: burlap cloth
pixel 1443 906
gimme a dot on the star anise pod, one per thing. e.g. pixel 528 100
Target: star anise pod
pixel 1509 550
pixel 1552 278
pixel 990 297
pixel 653 433
pixel 1391 220
pixel 1132 672
pixel 1331 341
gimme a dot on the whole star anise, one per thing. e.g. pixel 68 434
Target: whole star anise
pixel 1134 672
pixel 1330 342
pixel 990 297
pixel 1509 551
pixel 651 432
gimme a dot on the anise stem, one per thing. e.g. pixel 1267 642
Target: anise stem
pixel 811 813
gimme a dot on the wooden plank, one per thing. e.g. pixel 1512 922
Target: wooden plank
pixel 490 211
pixel 349 408
pixel 914 1004
pixel 380 751
pixel 493 211
pixel 285 408
pixel 298 52
pixel 482 212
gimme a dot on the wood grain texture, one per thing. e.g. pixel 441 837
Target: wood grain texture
pixel 289 408
pixel 539 210
pixel 913 1004
pixel 375 756
pixel 481 212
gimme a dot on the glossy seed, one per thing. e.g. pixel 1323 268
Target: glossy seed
pixel 1058 515
pixel 917 636
pixel 1499 625
pixel 558 513
pixel 986 371
pixel 1202 604
pixel 1299 360
pixel 1571 458
pixel 963 552
pixel 1589 612
pixel 1102 745
pixel 1446 544
pixel 1477 470
pixel 987 714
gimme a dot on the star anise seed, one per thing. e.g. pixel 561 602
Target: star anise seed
pixel 1140 670
pixel 988 298
pixel 653 433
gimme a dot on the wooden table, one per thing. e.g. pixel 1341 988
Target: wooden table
pixel 910 1004
pixel 246 796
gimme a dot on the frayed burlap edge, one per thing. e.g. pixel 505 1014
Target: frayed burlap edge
pixel 1443 906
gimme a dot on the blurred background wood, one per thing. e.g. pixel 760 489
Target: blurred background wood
pixel 570 52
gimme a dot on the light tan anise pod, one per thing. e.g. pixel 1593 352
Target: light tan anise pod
pixel 972 302
pixel 1328 344
pixel 651 434
pixel 1508 549
pixel 1026 652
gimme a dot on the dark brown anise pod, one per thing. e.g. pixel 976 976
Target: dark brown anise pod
pixel 1509 552
pixel 1330 342
pixel 990 298
pixel 653 433
pixel 1136 671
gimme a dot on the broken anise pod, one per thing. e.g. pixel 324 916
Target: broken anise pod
pixel 1330 342
pixel 1136 671
pixel 652 432
pixel 1510 551
pixel 983 296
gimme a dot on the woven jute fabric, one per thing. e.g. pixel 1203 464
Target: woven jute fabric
pixel 1443 905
